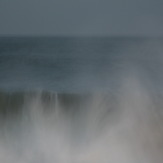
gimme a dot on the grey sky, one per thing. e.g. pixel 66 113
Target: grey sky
pixel 81 17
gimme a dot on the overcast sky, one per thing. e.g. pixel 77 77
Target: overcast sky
pixel 81 17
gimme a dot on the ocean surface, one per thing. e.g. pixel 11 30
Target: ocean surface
pixel 81 100
pixel 66 64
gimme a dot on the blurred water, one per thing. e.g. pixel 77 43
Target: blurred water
pixel 81 100
pixel 75 64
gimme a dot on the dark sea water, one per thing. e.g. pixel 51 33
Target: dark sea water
pixel 81 100
pixel 66 64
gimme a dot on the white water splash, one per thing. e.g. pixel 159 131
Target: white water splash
pixel 96 133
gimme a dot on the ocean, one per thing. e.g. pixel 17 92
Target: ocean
pixel 81 100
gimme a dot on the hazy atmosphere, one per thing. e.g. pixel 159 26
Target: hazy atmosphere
pixel 81 17
pixel 65 98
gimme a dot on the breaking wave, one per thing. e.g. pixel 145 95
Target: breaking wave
pixel 49 127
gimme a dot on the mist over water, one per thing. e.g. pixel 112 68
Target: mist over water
pixel 120 122
pixel 85 128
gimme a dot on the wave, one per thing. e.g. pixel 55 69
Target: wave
pixel 41 126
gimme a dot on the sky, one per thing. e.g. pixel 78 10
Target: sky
pixel 81 17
